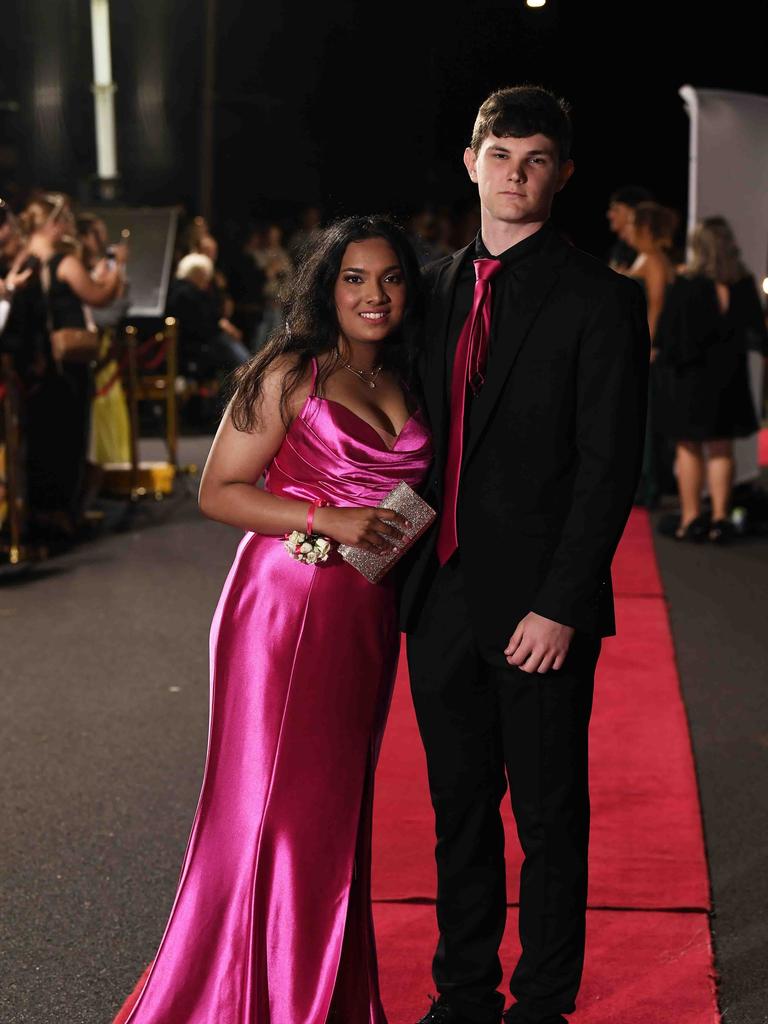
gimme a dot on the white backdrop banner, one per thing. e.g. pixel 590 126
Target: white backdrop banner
pixel 728 177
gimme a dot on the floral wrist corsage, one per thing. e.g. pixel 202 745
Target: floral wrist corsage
pixel 307 547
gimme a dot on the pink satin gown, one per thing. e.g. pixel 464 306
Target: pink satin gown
pixel 272 918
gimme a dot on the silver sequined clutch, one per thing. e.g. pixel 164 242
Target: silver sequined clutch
pixel 420 515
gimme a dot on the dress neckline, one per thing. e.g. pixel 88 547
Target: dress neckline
pixel 357 416
pixel 366 423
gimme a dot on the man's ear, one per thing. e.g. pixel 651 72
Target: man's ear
pixel 470 162
pixel 565 173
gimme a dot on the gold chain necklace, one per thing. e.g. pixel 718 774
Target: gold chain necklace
pixel 366 376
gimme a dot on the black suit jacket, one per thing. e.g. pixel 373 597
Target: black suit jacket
pixel 553 451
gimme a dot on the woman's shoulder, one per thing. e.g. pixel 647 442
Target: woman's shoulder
pixel 691 304
pixel 289 372
pixel 696 284
pixel 692 287
pixel 658 264
pixel 58 259
pixel 278 368
pixel 67 267
pixel 269 389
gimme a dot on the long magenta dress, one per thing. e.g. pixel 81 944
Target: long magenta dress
pixel 272 918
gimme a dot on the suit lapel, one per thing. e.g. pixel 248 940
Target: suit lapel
pixel 438 322
pixel 508 342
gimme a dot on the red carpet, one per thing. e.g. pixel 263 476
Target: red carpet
pixel 648 960
pixel 635 572
pixel 762 449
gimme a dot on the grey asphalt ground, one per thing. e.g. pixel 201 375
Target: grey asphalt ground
pixel 718 606
pixel 103 717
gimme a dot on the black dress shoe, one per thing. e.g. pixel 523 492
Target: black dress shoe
pixel 514 1015
pixel 441 1013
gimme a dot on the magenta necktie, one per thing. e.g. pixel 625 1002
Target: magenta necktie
pixel 468 370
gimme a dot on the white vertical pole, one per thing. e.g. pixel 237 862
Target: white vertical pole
pixel 103 92
pixel 691 100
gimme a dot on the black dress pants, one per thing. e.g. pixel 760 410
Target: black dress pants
pixel 486 725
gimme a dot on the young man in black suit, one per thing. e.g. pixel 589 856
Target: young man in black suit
pixel 534 377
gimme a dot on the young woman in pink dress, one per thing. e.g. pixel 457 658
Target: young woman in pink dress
pixel 272 919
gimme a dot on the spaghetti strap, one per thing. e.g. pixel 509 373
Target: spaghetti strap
pixel 314 376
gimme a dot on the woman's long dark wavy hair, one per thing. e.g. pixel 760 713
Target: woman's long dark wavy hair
pixel 311 327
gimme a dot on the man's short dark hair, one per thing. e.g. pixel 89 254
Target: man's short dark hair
pixel 631 195
pixel 521 111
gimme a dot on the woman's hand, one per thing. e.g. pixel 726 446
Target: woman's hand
pixel 15 279
pixel 101 270
pixel 372 529
pixel 120 253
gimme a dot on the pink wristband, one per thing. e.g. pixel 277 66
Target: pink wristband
pixel 311 515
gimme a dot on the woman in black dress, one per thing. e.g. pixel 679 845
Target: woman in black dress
pixel 60 404
pixel 650 231
pixel 711 318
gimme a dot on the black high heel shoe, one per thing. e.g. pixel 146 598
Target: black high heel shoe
pixel 720 531
pixel 695 531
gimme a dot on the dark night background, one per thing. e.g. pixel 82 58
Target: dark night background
pixel 359 106
pixel 355 106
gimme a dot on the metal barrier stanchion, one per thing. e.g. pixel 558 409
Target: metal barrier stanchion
pixel 172 409
pixel 131 337
pixel 151 372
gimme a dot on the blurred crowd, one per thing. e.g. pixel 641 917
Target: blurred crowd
pixel 226 294
pixel 705 317
pixel 64 286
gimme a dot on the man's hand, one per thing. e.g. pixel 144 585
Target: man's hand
pixel 538 644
